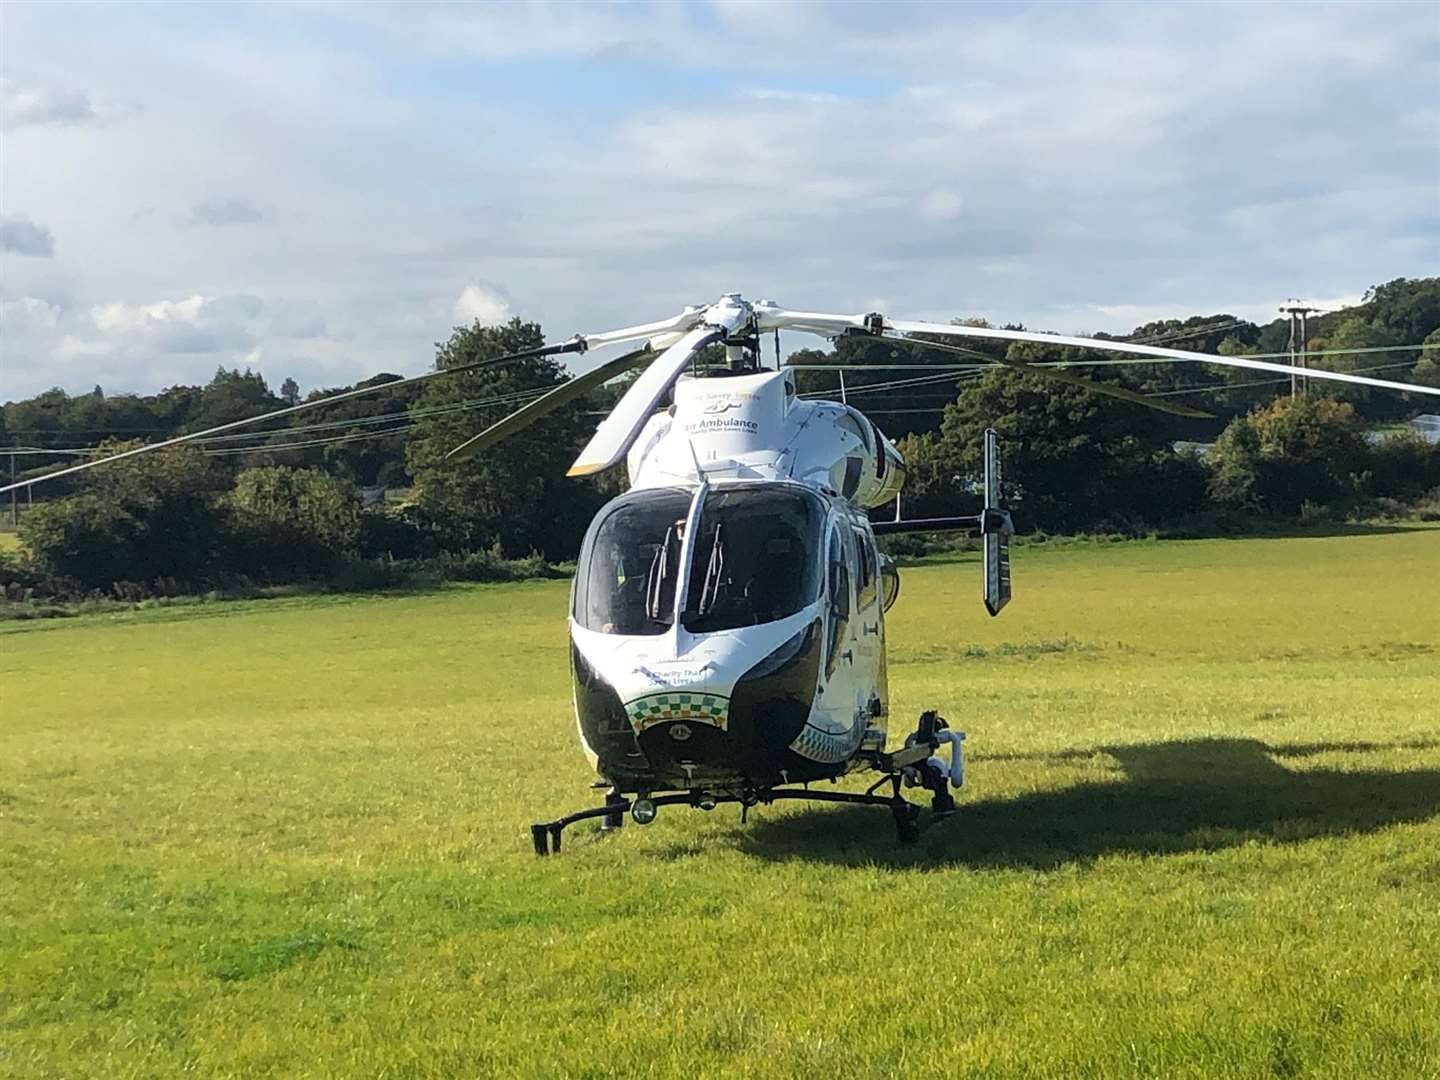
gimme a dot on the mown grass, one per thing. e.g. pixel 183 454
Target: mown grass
pixel 1200 837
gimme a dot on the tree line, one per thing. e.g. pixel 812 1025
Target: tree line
pixel 284 503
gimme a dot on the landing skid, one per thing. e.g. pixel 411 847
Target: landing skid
pixel 546 834
pixel 913 765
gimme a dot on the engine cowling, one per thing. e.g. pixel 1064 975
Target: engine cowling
pixel 754 426
pixel 871 472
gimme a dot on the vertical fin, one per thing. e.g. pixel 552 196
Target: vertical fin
pixel 995 529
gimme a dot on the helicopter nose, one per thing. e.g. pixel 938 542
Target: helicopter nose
pixel 690 749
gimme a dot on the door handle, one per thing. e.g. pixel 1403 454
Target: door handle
pixel 849 656
pixel 869 629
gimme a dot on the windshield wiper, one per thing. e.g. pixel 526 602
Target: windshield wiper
pixel 713 569
pixel 659 571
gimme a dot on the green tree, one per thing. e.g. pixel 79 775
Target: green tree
pixel 232 395
pixel 288 521
pixel 173 494
pixel 1427 368
pixel 174 407
pixel 1403 466
pixel 1348 341
pixel 935 484
pixel 1294 451
pixel 1407 308
pixel 89 539
pixel 1073 458
pixel 515 495
pixel 362 460
pixel 41 417
pixel 1235 464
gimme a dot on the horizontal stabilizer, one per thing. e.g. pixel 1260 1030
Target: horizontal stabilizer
pixel 966 523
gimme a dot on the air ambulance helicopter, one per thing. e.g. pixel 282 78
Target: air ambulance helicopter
pixel 727 615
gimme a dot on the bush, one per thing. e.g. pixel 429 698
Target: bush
pixel 394 534
pixel 1292 452
pixel 289 523
pixel 86 538
pixel 1403 467
pixel 1428 508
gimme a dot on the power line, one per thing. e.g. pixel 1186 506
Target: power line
pixel 362 421
pixel 573 345
pixel 902 384
pixel 276 448
pixel 1182 334
pixel 408 422
pixel 26 450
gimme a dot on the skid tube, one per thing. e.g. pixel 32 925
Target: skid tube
pixel 545 835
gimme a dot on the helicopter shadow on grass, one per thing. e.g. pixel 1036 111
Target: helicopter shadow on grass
pixel 1175 797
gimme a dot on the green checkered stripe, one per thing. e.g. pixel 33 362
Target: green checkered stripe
pixel 827 747
pixel 652 709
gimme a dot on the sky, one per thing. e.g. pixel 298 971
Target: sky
pixel 322 191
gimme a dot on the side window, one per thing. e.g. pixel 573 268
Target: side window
pixel 865 591
pixel 838 609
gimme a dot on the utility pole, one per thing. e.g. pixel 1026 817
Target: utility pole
pixel 14 502
pixel 1298 338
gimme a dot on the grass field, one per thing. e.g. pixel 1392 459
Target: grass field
pixel 9 541
pixel 1200 837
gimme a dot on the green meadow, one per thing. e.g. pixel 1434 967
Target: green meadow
pixel 1200 837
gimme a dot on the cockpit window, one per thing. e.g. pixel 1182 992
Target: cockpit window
pixel 626 577
pixel 756 558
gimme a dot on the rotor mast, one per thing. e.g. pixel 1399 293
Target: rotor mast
pixel 742 337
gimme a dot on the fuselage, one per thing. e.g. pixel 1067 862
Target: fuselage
pixel 727 625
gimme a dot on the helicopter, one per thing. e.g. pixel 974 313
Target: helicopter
pixel 727 613
pixel 727 617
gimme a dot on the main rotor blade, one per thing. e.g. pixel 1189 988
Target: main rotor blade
pixel 949 330
pixel 529 414
pixel 686 320
pixel 618 430
pixel 1054 374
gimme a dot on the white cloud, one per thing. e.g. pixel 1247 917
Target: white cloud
pixel 483 303
pixel 22 106
pixel 193 324
pixel 70 348
pixel 144 346
pixel 145 318
pixel 28 312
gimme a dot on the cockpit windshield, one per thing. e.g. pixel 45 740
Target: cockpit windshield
pixel 625 581
pixel 755 560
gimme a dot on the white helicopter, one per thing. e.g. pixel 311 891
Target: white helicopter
pixel 727 630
